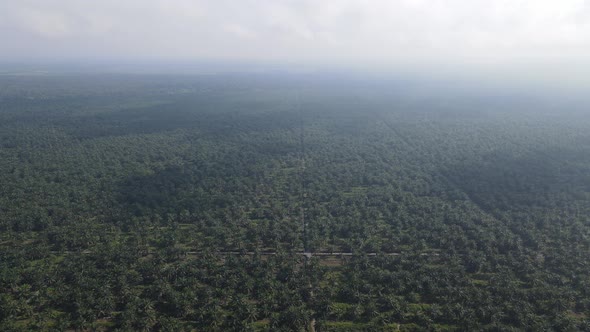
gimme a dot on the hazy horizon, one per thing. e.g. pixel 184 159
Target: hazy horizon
pixel 538 43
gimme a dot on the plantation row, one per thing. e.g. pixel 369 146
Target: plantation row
pixel 121 199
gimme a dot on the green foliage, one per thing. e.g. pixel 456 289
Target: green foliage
pixel 185 203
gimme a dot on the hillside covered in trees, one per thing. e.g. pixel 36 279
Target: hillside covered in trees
pixel 279 202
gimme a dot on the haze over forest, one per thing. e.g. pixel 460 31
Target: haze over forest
pixel 294 165
pixel 528 40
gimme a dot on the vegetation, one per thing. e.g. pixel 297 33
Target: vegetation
pixel 186 203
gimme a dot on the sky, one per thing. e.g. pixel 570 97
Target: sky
pixel 386 33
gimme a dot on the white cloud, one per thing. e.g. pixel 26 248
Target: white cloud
pixel 240 31
pixel 45 23
pixel 377 31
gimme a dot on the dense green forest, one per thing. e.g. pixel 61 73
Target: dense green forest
pixel 251 202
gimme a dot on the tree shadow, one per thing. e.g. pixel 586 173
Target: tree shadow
pixel 537 179
pixel 165 191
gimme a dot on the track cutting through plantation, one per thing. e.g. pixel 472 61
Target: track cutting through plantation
pixel 302 180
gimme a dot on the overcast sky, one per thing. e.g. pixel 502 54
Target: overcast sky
pixel 355 32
